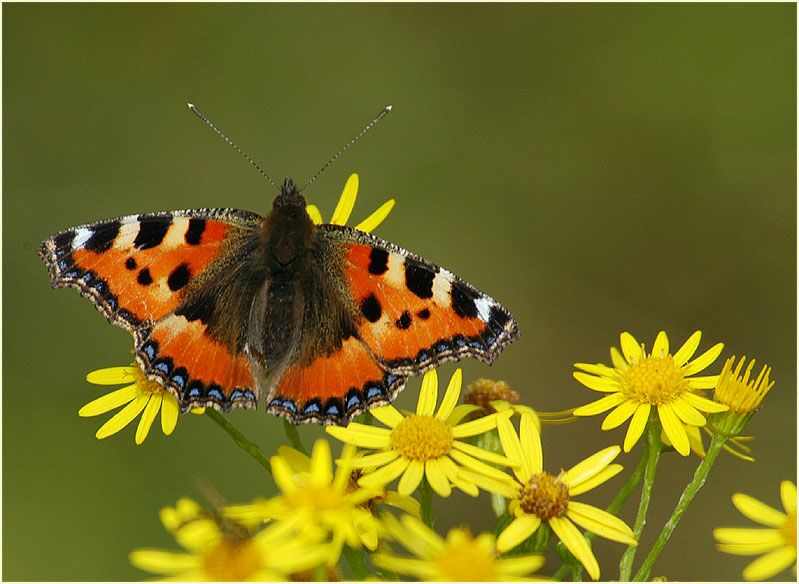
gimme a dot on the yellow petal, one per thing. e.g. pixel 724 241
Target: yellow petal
pixel 163 562
pixel 314 214
pixel 481 453
pixel 517 531
pixel 420 569
pixel 411 477
pixel 636 428
pixel 770 564
pixel 603 384
pixel 788 496
pixel 576 544
pixel 601 405
pixel 361 435
pixel 148 417
pixel 757 511
pixel 436 478
pixel 386 474
pixel 373 460
pixel 520 565
pixel 388 415
pixel 478 426
pixel 374 220
pixel 599 478
pixel 422 533
pixel 321 461
pixel 589 467
pixel 687 413
pixel 597 369
pixel 460 412
pixel 123 417
pixel 513 449
pixel 474 464
pixel 450 396
pixel 428 395
pixel 112 376
pixel 530 438
pixel 617 360
pixel 688 348
pixel 109 401
pixel 748 541
pixel 702 382
pixel 298 461
pixel 600 522
pixel 620 415
pixel 661 347
pixel 169 414
pixel 703 404
pixel 283 474
pixel 631 348
pixel 703 360
pixel 347 201
pixel 507 488
pixel 674 429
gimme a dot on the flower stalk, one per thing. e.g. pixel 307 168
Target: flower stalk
pixel 240 439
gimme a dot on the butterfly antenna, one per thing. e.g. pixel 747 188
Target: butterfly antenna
pixel 368 127
pixel 230 142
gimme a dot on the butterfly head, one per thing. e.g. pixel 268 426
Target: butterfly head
pixel 287 231
pixel 289 196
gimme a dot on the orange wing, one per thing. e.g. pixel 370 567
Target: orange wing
pixel 134 268
pixel 137 270
pixel 415 314
pixel 199 370
pixel 332 389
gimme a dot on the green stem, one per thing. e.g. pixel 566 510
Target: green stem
pixel 356 562
pixel 691 489
pixel 426 501
pixel 293 435
pixel 652 450
pixel 240 439
pixel 615 505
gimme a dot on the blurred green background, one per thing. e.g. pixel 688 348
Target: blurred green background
pixel 597 168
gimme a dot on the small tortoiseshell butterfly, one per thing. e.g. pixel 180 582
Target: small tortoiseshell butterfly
pixel 227 307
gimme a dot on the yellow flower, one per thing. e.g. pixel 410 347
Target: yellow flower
pixel 423 444
pixel 321 502
pixel 345 205
pixel 537 496
pixel 141 395
pixel 777 541
pixel 459 558
pixel 639 381
pixel 221 550
pixel 742 394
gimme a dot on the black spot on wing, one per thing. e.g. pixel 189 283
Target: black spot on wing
pixel 424 314
pixel 152 231
pixel 198 307
pixel 144 277
pixel 130 263
pixel 370 307
pixel 103 236
pixel 419 278
pixel 378 261
pixel 404 321
pixel 195 231
pixel 463 299
pixel 179 277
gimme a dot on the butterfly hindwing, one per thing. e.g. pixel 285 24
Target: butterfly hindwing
pixel 333 388
pixel 199 369
pixel 415 314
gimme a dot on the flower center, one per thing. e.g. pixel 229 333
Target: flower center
pixel 145 385
pixel 788 529
pixel 464 561
pixel 545 496
pixel 421 438
pixel 654 380
pixel 483 391
pixel 232 560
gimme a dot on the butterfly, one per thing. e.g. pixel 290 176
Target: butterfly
pixel 228 307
